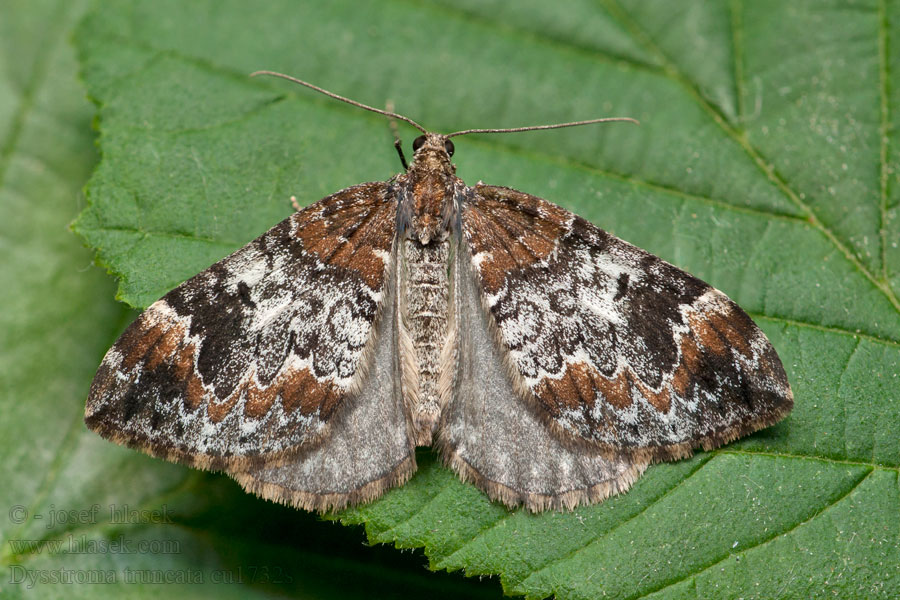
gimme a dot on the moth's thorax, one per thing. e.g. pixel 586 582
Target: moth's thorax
pixel 430 184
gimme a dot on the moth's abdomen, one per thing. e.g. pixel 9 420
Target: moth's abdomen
pixel 426 291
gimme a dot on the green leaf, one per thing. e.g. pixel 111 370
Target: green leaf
pixel 766 163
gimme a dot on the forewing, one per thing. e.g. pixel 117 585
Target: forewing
pixel 616 346
pixel 251 358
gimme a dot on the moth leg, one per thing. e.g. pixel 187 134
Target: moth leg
pixel 389 106
pixel 399 146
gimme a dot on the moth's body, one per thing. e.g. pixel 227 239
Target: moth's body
pixel 424 286
pixel 547 361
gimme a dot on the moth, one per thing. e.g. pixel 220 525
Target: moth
pixel 548 361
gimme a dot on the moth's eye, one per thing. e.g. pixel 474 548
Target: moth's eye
pixel 418 142
pixel 448 146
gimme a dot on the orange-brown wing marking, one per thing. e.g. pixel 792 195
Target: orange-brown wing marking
pixel 617 347
pixel 250 359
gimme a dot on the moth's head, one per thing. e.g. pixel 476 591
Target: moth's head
pixel 433 151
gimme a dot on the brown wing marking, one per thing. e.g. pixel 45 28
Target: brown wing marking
pixel 250 359
pixel 618 348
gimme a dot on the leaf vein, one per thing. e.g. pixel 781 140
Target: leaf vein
pixel 752 152
pixel 388 534
pixel 761 544
pixel 570 163
pixel 737 40
pixel 824 459
pixel 702 461
pixel 486 530
pixel 827 329
pixel 884 130
pixel 167 234
pixel 540 36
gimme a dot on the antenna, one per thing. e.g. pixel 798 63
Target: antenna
pixel 394 115
pixel 341 98
pixel 539 127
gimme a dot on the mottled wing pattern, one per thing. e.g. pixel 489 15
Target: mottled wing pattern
pixel 369 449
pixel 497 439
pixel 617 347
pixel 251 358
